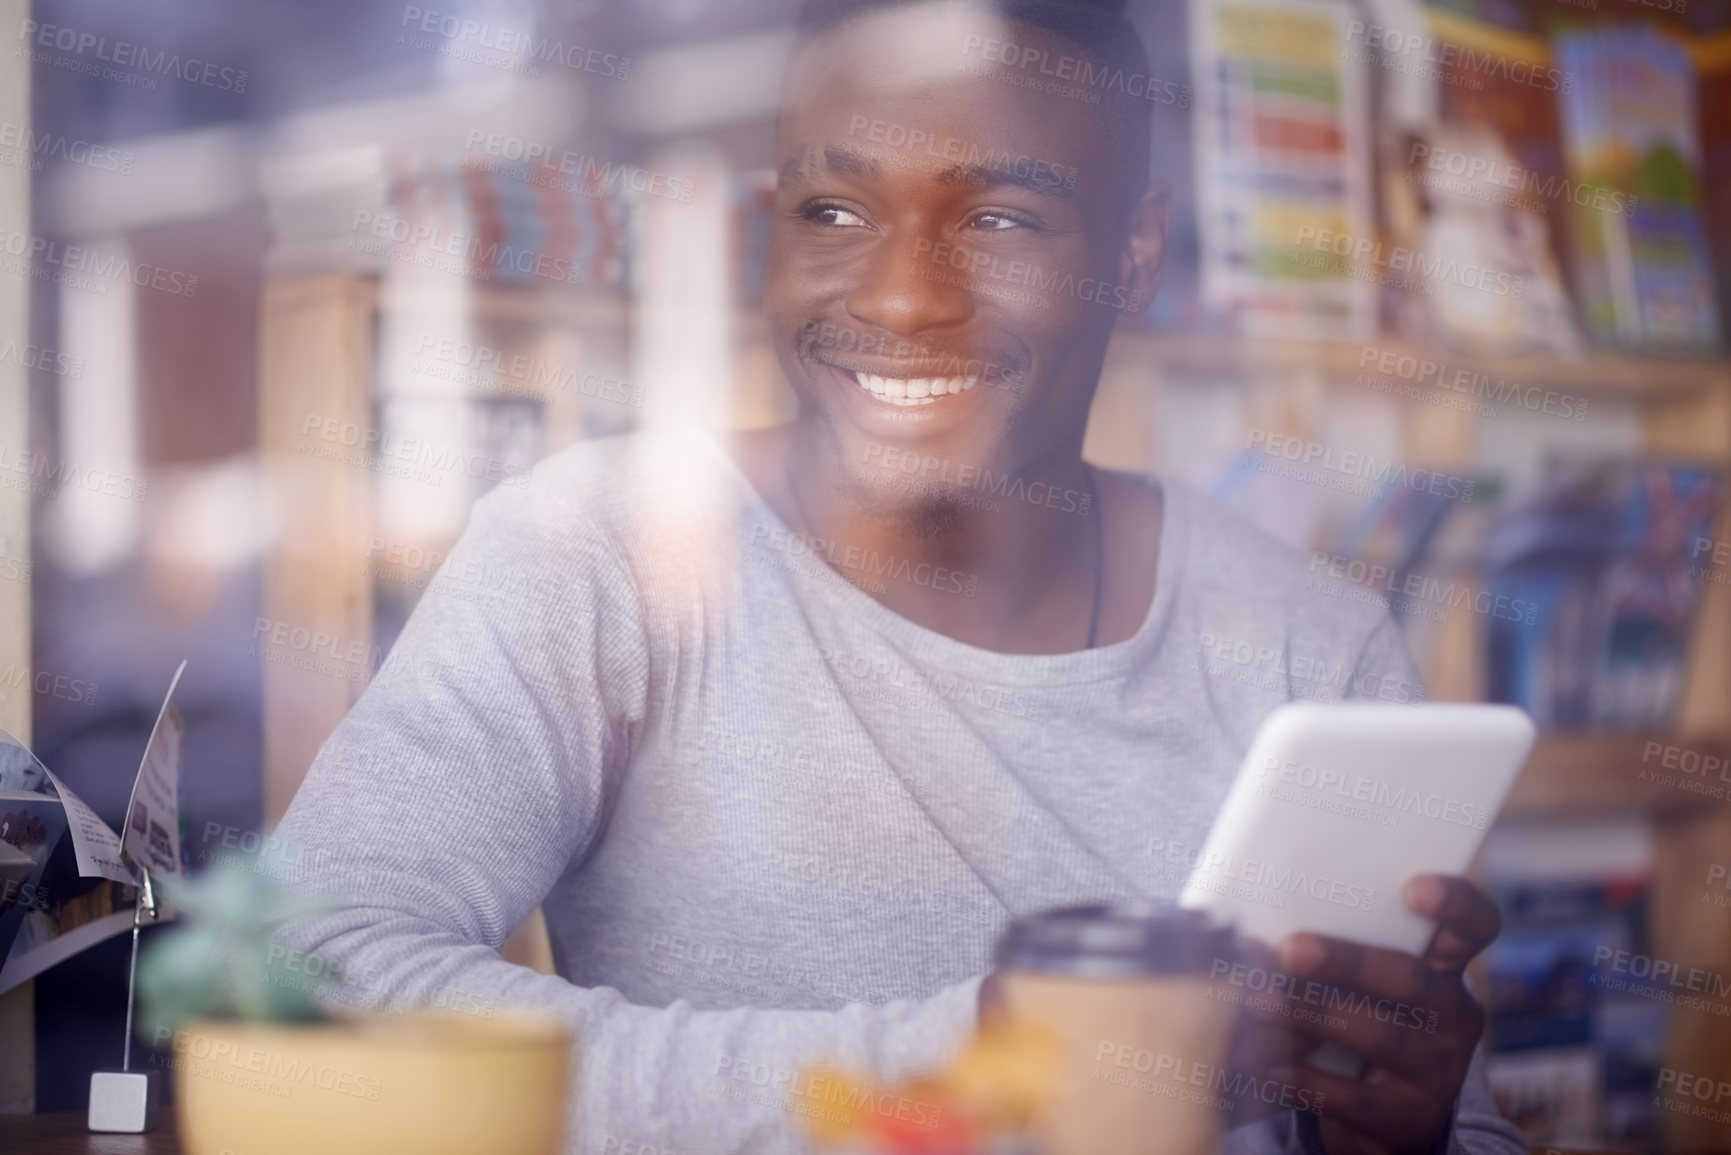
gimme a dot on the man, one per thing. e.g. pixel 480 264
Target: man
pixel 781 732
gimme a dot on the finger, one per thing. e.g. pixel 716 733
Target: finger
pixel 1374 970
pixel 1396 1035
pixel 1467 920
pixel 1379 1105
pixel 1261 1037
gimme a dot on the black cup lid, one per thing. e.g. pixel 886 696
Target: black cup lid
pixel 1117 940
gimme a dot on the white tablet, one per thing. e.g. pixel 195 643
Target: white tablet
pixel 1336 806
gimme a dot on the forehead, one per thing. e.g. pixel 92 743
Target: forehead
pixel 918 84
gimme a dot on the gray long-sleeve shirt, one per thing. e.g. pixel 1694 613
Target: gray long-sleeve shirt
pixel 771 822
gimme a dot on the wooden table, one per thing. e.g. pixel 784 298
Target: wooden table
pixel 65 1134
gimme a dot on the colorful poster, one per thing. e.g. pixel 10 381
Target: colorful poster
pixel 1630 125
pixel 1283 167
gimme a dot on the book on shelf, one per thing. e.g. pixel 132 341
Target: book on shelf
pixel 1573 1052
pixel 491 220
pixel 1606 553
pixel 1629 122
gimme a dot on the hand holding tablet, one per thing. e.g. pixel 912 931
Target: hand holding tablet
pixel 1342 820
pixel 1336 807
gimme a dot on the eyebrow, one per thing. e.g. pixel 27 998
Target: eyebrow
pixel 836 158
pixel 847 161
pixel 985 176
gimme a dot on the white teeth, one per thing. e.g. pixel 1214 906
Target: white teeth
pixel 912 391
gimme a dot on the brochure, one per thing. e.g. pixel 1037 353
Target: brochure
pixel 48 915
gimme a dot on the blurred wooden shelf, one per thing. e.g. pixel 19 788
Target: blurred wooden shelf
pixel 1590 372
pixel 1584 773
pixel 551 305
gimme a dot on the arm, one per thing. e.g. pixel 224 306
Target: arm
pixel 478 765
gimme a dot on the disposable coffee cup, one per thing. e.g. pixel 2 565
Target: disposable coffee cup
pixel 1126 990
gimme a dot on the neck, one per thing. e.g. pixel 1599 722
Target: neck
pixel 1003 556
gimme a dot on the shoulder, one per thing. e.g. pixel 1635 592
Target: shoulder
pixel 613 488
pixel 621 519
pixel 1249 593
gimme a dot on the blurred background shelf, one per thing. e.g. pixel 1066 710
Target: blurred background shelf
pixel 1587 773
pixel 1596 371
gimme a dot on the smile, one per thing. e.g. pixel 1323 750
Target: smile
pixel 911 391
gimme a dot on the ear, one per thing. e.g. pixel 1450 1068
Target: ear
pixel 1142 261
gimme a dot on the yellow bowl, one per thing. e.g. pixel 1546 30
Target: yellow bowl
pixel 411 1084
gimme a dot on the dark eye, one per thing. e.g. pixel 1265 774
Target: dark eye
pixel 833 215
pixel 997 222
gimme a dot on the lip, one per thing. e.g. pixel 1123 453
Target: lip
pixel 885 416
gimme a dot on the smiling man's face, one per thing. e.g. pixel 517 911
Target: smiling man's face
pixel 950 250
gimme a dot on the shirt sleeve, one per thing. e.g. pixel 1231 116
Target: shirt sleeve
pixel 479 764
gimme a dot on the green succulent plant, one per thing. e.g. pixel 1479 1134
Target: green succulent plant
pixel 217 961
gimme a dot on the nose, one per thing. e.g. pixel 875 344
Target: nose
pixel 904 291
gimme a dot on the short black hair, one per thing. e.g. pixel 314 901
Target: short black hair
pixel 1100 28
